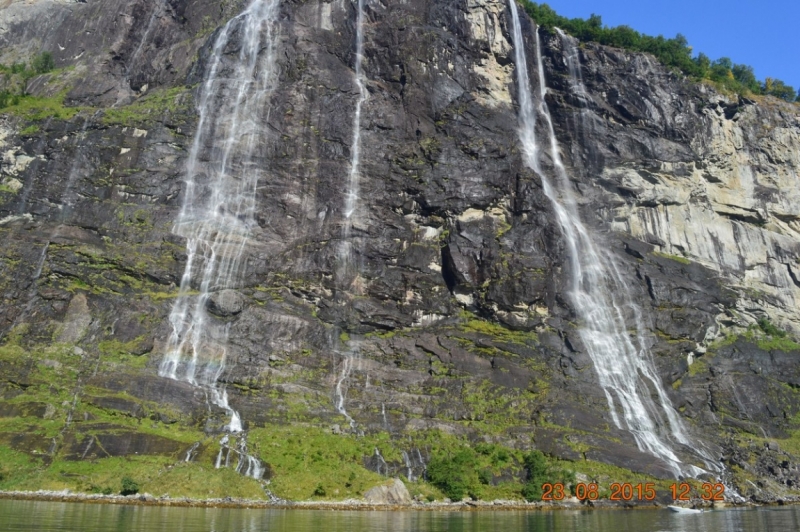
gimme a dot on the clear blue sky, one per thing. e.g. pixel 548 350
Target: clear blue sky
pixel 764 34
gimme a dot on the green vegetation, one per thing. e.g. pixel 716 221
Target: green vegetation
pixel 461 470
pixel 764 334
pixel 15 77
pixel 771 338
pixel 540 471
pixel 308 459
pixel 471 323
pixel 674 52
pixel 43 63
pixel 29 131
pixel 34 108
pixel 455 474
pixel 676 258
pixel 768 328
pixel 148 109
pixel 129 486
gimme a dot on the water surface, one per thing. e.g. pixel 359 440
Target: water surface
pixel 17 516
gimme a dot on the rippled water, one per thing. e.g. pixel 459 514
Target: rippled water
pixel 18 516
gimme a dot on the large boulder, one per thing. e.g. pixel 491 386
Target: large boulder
pixel 225 303
pixel 393 492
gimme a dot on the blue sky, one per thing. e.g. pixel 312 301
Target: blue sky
pixel 761 33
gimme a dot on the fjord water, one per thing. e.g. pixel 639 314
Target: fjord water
pixel 218 211
pixel 18 516
pixel 598 292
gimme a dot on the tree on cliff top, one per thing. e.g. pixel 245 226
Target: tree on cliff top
pixel 674 52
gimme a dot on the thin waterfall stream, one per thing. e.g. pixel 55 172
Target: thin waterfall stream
pixel 348 270
pixel 156 13
pixel 218 210
pixel 599 294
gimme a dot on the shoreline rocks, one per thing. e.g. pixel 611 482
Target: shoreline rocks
pixel 343 505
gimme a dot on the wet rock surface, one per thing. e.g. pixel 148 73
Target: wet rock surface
pixel 458 308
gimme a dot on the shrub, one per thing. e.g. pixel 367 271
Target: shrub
pixel 500 457
pixel 540 471
pixel 43 63
pixel 7 98
pixel 454 474
pixel 129 486
pixel 319 491
pixel 765 325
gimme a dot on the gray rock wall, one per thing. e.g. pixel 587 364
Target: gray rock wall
pixel 457 308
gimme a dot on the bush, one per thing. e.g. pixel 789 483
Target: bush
pixel 7 98
pixel 779 89
pixel 129 486
pixel 765 325
pixel 454 474
pixel 540 471
pixel 43 63
pixel 319 491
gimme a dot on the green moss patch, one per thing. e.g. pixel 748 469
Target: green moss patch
pixel 150 108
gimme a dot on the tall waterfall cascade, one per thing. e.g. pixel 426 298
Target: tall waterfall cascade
pixel 347 268
pixel 636 399
pixel 218 210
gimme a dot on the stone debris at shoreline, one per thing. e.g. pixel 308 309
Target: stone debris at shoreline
pixel 146 499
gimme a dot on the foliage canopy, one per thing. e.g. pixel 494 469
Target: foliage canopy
pixel 674 52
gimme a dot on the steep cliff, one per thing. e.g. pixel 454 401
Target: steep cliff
pixel 451 321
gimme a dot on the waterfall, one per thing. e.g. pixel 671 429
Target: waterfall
pixel 192 450
pixel 600 294
pixel 577 88
pixel 339 394
pixel 351 199
pixel 351 210
pixel 219 204
pixel 383 467
pixel 223 447
pixel 74 169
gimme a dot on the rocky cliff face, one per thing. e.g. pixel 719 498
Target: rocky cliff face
pixel 456 315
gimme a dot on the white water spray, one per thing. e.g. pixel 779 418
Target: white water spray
pixel 582 125
pixel 351 199
pixel 191 452
pixel 223 447
pixel 218 210
pixel 219 204
pixel 383 467
pixel 409 470
pixel 600 295
pixel 340 391
pixel 351 206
